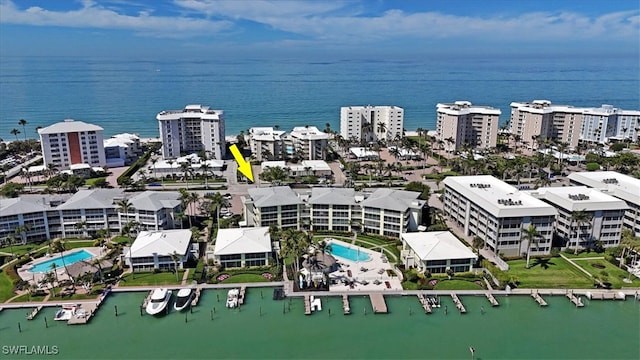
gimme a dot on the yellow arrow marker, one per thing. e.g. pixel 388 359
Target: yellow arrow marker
pixel 243 166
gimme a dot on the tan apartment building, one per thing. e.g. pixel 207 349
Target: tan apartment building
pixel 461 124
pixel 541 118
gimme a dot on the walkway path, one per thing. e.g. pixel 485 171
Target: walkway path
pixel 185 277
pixel 570 261
pixel 588 258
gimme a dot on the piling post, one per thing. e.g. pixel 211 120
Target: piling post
pixel 185 317
pixel 211 314
pixel 19 327
pixel 116 309
pixel 46 324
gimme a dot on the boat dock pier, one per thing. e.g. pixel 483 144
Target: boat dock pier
pixel 345 304
pixel 307 305
pixel 425 304
pixel 146 300
pixel 538 298
pixel 458 303
pixel 196 298
pixel 243 290
pixel 575 299
pixel 83 313
pixel 378 303
pixel 492 299
pixel 34 313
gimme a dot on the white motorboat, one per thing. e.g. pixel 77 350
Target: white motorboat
pixel 66 312
pixel 232 298
pixel 183 299
pixel 158 302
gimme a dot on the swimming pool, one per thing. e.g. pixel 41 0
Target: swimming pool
pixel 68 260
pixel 348 253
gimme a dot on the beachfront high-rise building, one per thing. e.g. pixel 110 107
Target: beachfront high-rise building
pixel 72 142
pixel 266 143
pixel 371 123
pixel 539 120
pixel 609 123
pixel 622 186
pixel 602 221
pixel 306 142
pixel 461 124
pixel 498 213
pixel 193 129
pixel 303 142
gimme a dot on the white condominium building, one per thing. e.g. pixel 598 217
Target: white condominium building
pixel 122 149
pixel 266 143
pixel 604 212
pixel 392 212
pixel 623 187
pixel 606 122
pixel 306 142
pixel 278 205
pixel 539 120
pixel 72 142
pixel 53 216
pixel 498 213
pixel 335 209
pixel 370 123
pixel 461 123
pixel 192 129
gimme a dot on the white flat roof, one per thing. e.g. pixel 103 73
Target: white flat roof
pixel 79 166
pixel 243 241
pixel 273 164
pixel 67 126
pixel 437 245
pixel 163 242
pixel 613 183
pixel 575 198
pixel 308 133
pixel 534 107
pixel 497 197
pixel 465 107
pixel 361 152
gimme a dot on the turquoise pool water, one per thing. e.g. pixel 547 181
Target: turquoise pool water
pixel 348 253
pixel 68 260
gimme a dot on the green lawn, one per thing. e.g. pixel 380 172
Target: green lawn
pixel 27 297
pixel 79 244
pixel 151 278
pixel 456 285
pixel 548 273
pixel 614 274
pixel 121 239
pixel 20 250
pixel 583 255
pixel 245 278
pixel 6 287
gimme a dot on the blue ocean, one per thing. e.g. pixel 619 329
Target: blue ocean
pixel 124 95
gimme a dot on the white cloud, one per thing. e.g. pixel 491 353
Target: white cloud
pixel 93 15
pixel 336 22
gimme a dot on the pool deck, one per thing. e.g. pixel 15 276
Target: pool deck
pixel 366 276
pixel 27 275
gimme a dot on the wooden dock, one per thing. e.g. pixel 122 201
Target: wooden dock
pixel 458 304
pixel 307 305
pixel 378 303
pixel 83 314
pixel 243 291
pixel 492 299
pixel 425 304
pixel 345 304
pixel 575 299
pixel 34 313
pixel 196 298
pixel 538 298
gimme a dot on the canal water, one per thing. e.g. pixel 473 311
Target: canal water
pixel 267 329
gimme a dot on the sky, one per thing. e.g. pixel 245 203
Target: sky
pixel 395 28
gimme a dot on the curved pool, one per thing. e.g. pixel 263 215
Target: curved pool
pixel 69 259
pixel 347 252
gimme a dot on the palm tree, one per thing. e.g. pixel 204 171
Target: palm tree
pixel 51 277
pixel 82 226
pixel 185 200
pixel 10 239
pixel 381 128
pixel 171 162
pixel 21 231
pixel 60 246
pixel 23 123
pixel 15 132
pixel 205 167
pixel 579 218
pixel 185 167
pixel 179 216
pixel 217 200
pixel 175 257
pixel 477 244
pixel 532 235
pixel 123 207
pixel 153 163
pixel 98 264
